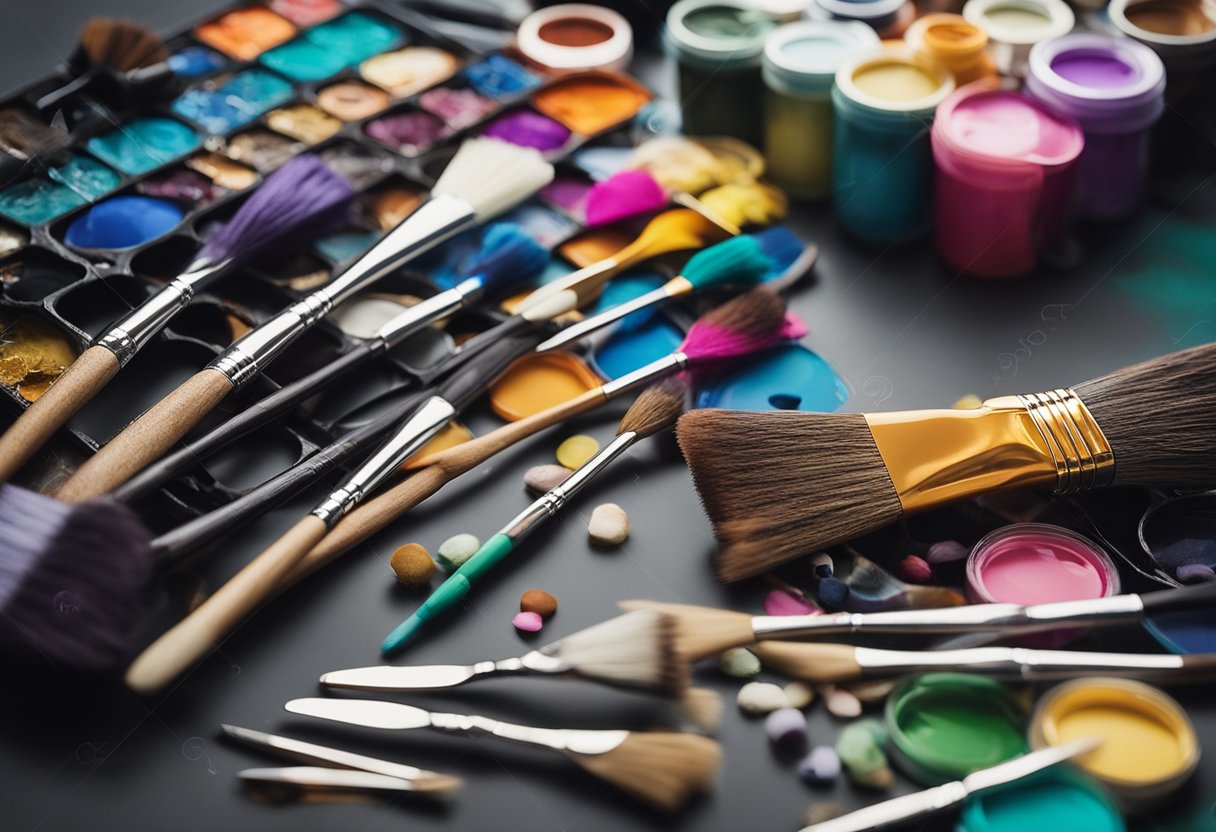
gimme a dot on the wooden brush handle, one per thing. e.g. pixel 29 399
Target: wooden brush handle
pixel 70 392
pixel 195 636
pixel 147 438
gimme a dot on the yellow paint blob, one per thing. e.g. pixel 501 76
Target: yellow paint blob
pixel 537 382
pixel 575 450
pixel 895 81
pixel 453 434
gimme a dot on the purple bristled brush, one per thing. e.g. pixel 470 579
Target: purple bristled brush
pixel 301 198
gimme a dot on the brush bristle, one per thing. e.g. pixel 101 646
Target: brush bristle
pixel 634 650
pixel 508 256
pixel 122 45
pixel 781 485
pixel 300 199
pixel 782 247
pixel 656 409
pixel 818 664
pixel 742 325
pixel 493 176
pixel 626 193
pixel 738 261
pixel 701 632
pixel 703 708
pixel 32 139
pixel 71 578
pixel 1160 418
pixel 664 769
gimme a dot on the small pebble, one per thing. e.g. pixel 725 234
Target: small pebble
pixel 822 565
pixel 539 602
pixel 528 622
pixel 842 703
pixel 576 450
pixel 916 570
pixel 833 592
pixel 786 728
pixel 859 747
pixel 609 525
pixel 739 662
pixel 1195 573
pixel 947 551
pixel 968 402
pixel 412 565
pixel 819 812
pixel 543 478
pixel 784 602
pixel 875 690
pixel 799 694
pixel 761 698
pixel 457 549
pixel 821 767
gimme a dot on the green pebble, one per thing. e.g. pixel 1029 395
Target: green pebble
pixel 458 548
pixel 860 748
pixel 740 663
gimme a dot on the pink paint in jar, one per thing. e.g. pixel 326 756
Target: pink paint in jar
pixel 1004 179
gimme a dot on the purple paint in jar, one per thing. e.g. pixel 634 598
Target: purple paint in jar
pixel 1115 89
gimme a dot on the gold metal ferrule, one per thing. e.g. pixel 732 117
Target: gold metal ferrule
pixel 1042 439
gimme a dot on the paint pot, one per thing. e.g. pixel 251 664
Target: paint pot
pixel 1149 747
pixel 327 49
pixel 261 149
pixel 784 377
pixel 409 70
pixel 500 77
pixel 352 100
pixel 1035 563
pixel 195 62
pixel 882 170
pixel 889 18
pixel 717 47
pixel 568 191
pixel 1058 799
pixel 1014 26
pixel 943 726
pixel 306 12
pixel 303 122
pixel 33 353
pixel 123 222
pixel 246 33
pixel 235 102
pixel 528 128
pixel 539 381
pixel 950 40
pixel 409 132
pixel 36 200
pixel 800 63
pixel 1115 89
pixel 591 103
pixel 393 202
pixel 359 165
pixel 223 171
pixel 1005 168
pixel 186 187
pixel 457 106
pixel 143 144
pixel 570 37
pixel 302 60
pixel 12 239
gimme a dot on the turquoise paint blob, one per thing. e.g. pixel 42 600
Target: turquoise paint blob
pixel 625 350
pixel 37 201
pixel 785 377
pixel 195 61
pixel 1056 800
pixel 624 289
pixel 122 222
pixel 328 49
pixel 500 77
pixel 144 143
pixel 86 177
pixel 346 245
pixel 238 101
pixel 304 61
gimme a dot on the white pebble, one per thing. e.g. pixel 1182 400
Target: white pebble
pixel 842 703
pixel 739 662
pixel 609 525
pixel 800 695
pixel 457 549
pixel 543 478
pixel 761 698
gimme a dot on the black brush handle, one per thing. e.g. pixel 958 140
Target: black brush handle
pixel 461 388
pixel 1201 666
pixel 1183 598
pixel 250 419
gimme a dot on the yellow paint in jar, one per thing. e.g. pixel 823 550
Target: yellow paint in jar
pixel 895 80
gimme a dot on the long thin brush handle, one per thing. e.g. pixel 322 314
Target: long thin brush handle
pixel 674 288
pixel 82 381
pixel 193 638
pixel 147 438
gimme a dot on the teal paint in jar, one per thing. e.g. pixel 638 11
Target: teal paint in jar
pixel 717 46
pixel 882 170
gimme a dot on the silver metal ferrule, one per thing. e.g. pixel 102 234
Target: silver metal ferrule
pixel 585 327
pixel 129 335
pixel 435 308
pixel 642 376
pixel 549 504
pixel 252 352
pixel 555 739
pixel 427 421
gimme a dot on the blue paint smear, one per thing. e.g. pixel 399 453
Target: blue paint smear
pixel 624 289
pixel 346 245
pixel 77 182
pixel 144 144
pixel 238 101
pixel 787 377
pixel 500 77
pixel 122 222
pixel 625 350
pixel 195 61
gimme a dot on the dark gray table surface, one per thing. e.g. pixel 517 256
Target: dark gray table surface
pixel 902 332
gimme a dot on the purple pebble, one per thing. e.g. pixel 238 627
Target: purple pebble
pixel 528 622
pixel 1195 573
pixel 786 729
pixel 821 767
pixel 947 551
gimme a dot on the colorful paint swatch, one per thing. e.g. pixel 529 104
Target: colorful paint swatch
pixel 144 143
pixel 410 70
pixel 500 77
pixel 237 101
pixel 246 33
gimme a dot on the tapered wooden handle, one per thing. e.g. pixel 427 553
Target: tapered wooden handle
pixel 195 636
pixel 70 392
pixel 147 438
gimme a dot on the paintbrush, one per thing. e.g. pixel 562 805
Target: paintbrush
pixel 702 632
pixel 662 768
pixel 780 485
pixel 507 256
pixel 112 53
pixel 207 625
pixel 300 198
pixel 912 806
pixel 739 261
pixel 485 178
pixel 656 408
pixel 28 146
pixel 636 650
pixel 831 663
pixel 422 782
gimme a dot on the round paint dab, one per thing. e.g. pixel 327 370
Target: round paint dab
pixel 1055 800
pixel 539 381
pixel 123 222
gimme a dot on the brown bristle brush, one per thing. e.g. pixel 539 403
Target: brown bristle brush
pixel 128 53
pixel 780 485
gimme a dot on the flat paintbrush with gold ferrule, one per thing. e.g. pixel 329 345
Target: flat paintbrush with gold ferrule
pixel 781 485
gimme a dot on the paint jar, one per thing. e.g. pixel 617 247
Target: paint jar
pixel 943 726
pixel 570 37
pixel 889 18
pixel 1149 747
pixel 1005 166
pixel 1059 796
pixel 717 46
pixel 800 62
pixel 1014 26
pixel 1115 89
pixel 953 42
pixel 882 168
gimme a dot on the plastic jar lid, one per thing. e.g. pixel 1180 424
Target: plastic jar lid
pixel 608 36
pixel 803 57
pixel 852 83
pixel 718 31
pixel 862 9
pixel 1106 83
pixel 1057 19
pixel 1164 41
pixel 1036 563
pixel 947 36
